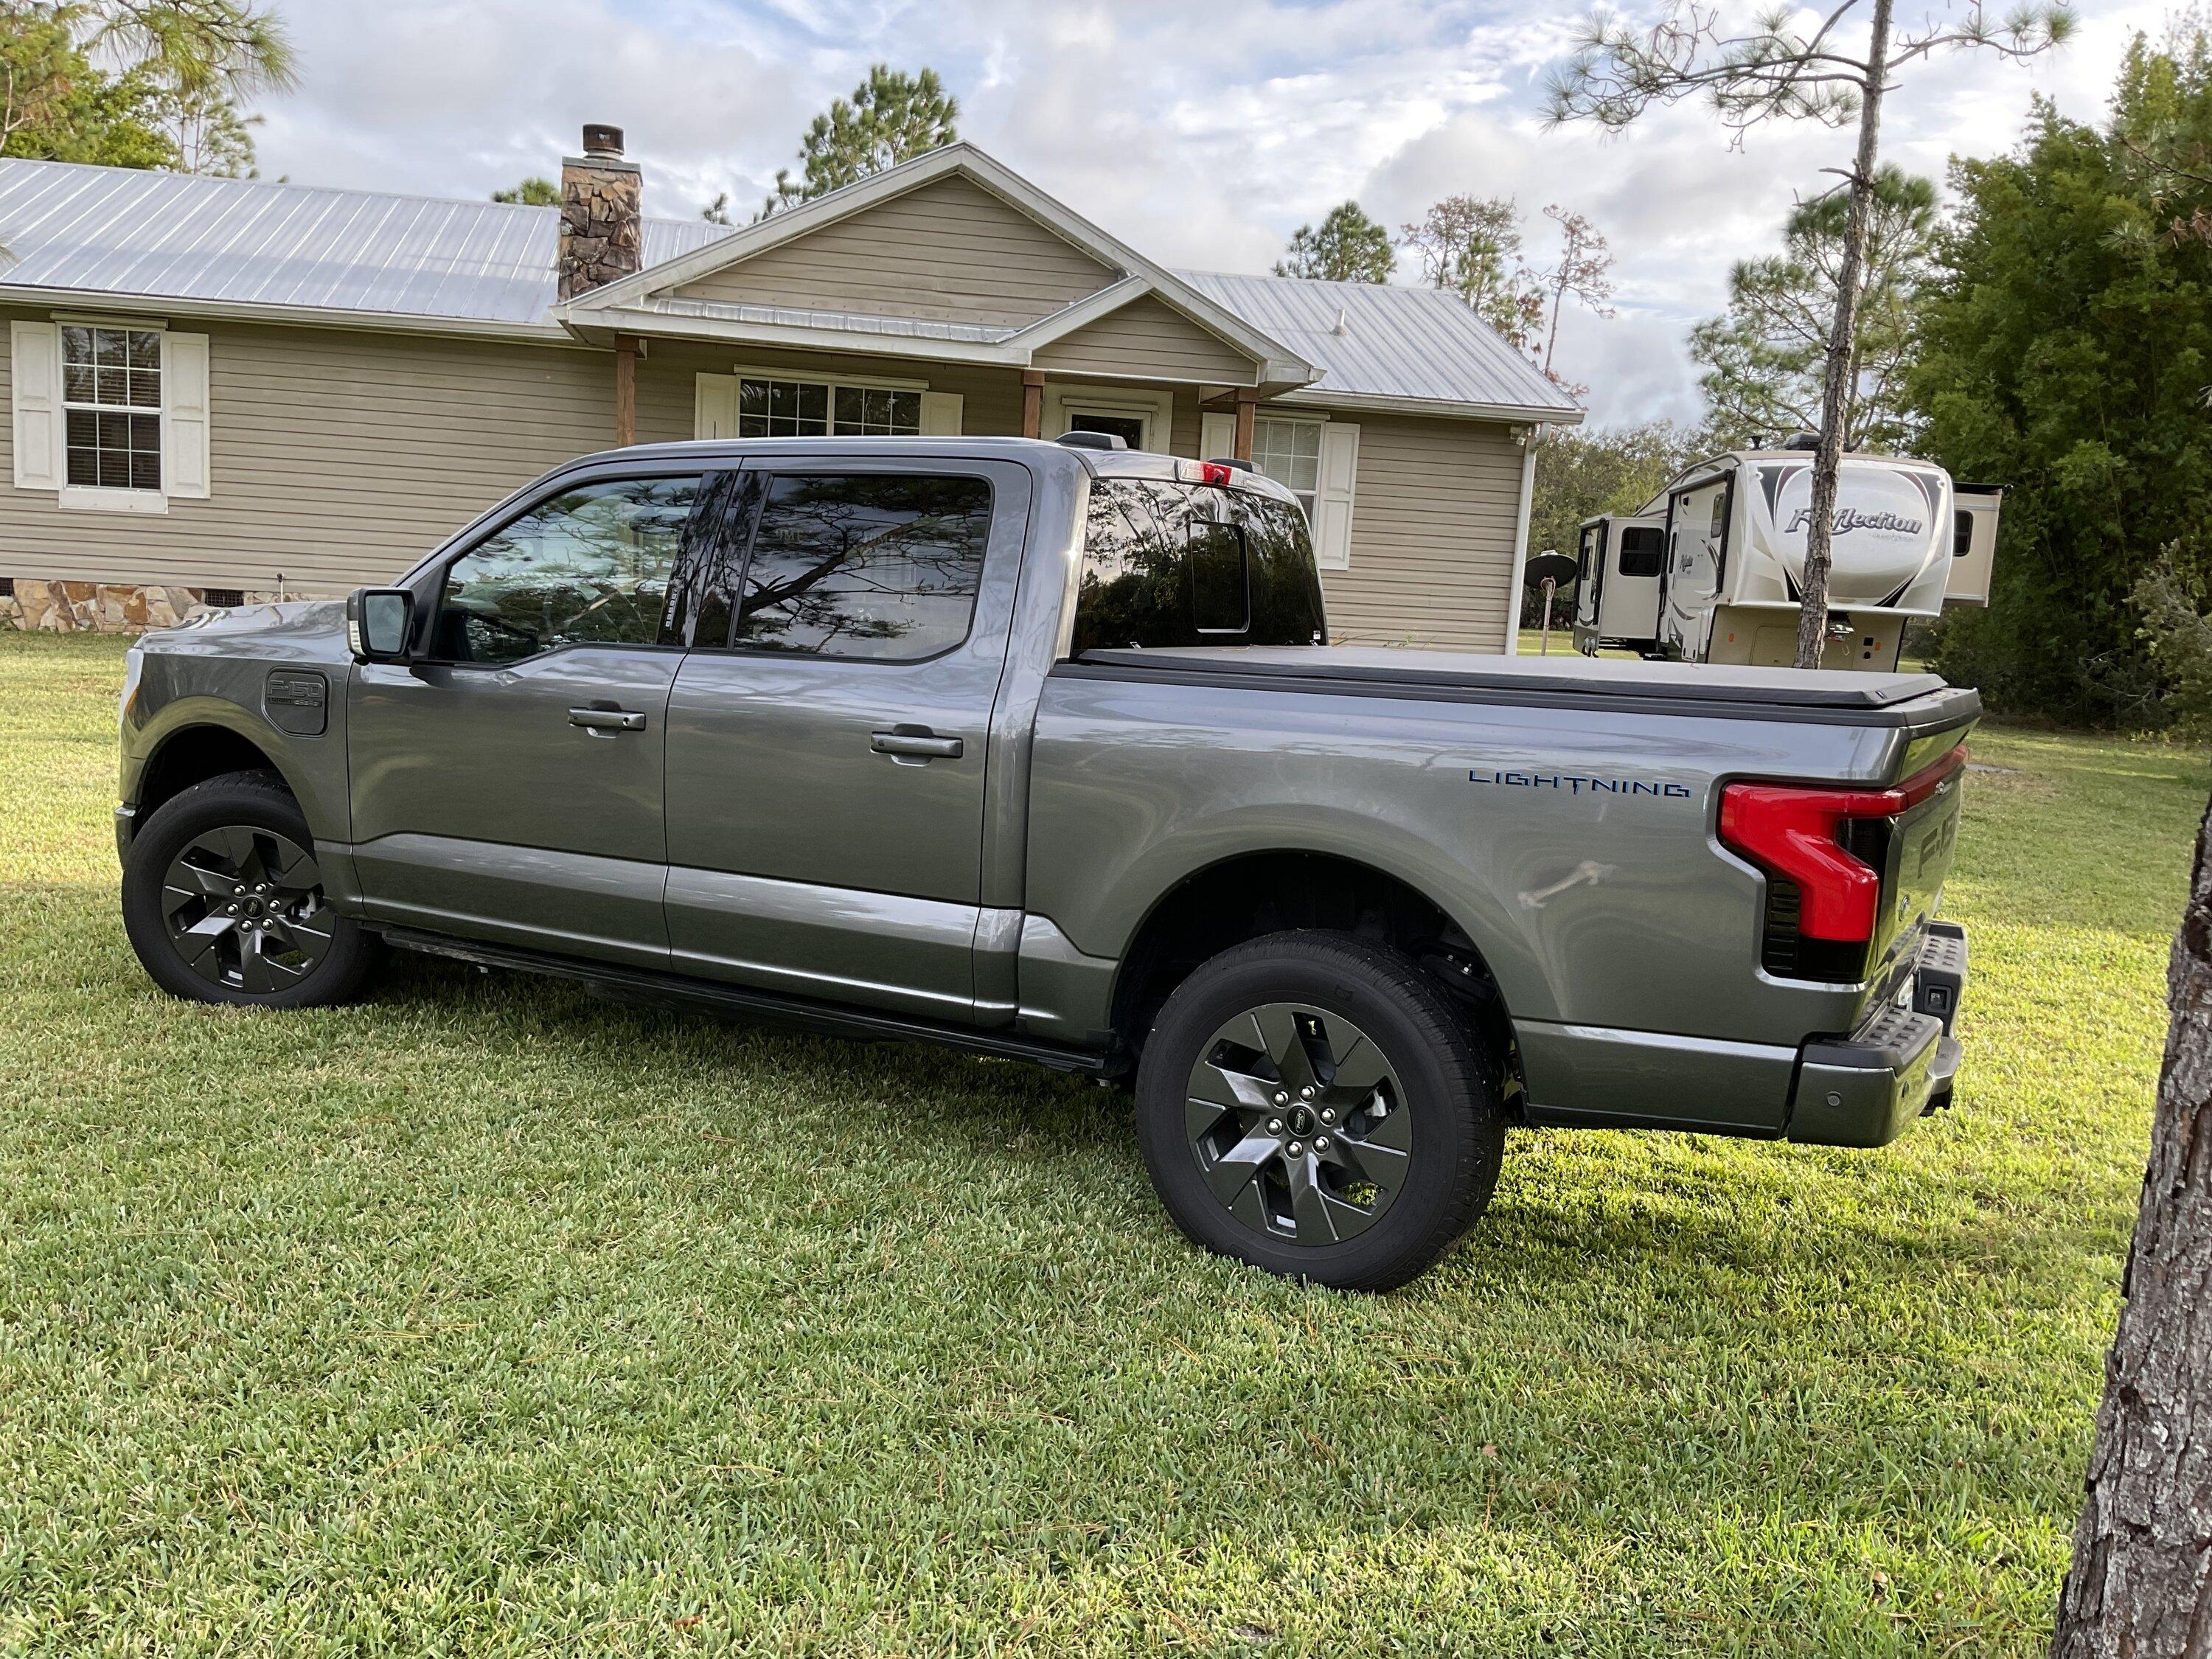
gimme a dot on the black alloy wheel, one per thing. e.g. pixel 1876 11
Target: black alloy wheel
pixel 224 901
pixel 1316 1104
pixel 1295 1119
pixel 245 910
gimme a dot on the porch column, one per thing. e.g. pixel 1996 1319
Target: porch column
pixel 625 391
pixel 1248 404
pixel 1033 402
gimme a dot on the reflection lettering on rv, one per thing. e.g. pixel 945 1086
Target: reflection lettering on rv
pixel 1849 518
pixel 1575 782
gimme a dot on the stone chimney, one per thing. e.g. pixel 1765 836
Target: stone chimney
pixel 601 230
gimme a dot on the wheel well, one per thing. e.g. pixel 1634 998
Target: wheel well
pixel 193 755
pixel 1247 897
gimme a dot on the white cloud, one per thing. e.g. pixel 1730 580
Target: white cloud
pixel 1200 133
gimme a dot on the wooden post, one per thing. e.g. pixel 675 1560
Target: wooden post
pixel 1248 405
pixel 1033 402
pixel 625 391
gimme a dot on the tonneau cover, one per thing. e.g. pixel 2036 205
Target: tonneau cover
pixel 1564 677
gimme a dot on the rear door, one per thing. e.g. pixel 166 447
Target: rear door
pixel 826 765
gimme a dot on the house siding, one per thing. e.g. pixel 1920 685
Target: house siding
pixel 336 457
pixel 1149 338
pixel 949 252
pixel 340 457
pixel 991 399
pixel 1435 517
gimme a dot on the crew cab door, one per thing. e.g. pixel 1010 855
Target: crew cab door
pixel 826 766
pixel 507 783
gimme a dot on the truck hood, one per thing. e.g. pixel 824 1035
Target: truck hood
pixel 298 630
pixel 295 621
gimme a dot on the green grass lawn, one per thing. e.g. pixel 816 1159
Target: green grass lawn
pixel 488 1317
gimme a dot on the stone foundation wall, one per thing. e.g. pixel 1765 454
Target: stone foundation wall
pixel 44 607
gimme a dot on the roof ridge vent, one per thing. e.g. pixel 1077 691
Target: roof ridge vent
pixel 1338 326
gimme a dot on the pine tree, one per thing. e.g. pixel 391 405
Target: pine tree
pixel 1764 357
pixel 1349 247
pixel 892 117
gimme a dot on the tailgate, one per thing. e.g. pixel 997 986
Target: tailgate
pixel 1922 843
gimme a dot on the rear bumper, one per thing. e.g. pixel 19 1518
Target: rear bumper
pixel 1900 1064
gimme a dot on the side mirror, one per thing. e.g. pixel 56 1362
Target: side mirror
pixel 378 623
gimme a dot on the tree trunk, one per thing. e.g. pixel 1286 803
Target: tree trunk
pixel 2140 1586
pixel 1836 379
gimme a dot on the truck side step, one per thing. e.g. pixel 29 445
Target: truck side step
pixel 645 986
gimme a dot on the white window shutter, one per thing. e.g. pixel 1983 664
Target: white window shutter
pixel 714 407
pixel 1217 436
pixel 1340 469
pixel 35 362
pixel 184 416
pixel 940 414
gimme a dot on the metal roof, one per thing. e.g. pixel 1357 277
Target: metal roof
pixel 239 241
pixel 1378 341
pixel 236 242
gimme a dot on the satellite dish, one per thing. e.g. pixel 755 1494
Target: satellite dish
pixel 1559 567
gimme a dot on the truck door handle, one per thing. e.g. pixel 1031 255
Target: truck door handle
pixel 606 719
pixel 918 741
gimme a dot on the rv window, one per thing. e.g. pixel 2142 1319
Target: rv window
pixel 1962 533
pixel 1642 550
pixel 1720 507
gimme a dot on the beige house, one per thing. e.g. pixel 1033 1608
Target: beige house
pixel 220 387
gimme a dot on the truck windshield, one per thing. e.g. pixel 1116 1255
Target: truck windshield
pixel 1167 564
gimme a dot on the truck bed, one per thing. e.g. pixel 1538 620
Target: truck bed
pixel 1834 698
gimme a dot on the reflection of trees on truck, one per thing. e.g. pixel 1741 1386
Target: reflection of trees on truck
pixel 856 559
pixel 1169 564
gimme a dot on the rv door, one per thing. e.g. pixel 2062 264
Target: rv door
pixel 1973 543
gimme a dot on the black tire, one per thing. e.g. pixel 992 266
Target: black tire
pixel 1436 1091
pixel 222 902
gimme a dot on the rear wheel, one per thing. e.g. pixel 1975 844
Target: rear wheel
pixel 1312 1104
pixel 224 901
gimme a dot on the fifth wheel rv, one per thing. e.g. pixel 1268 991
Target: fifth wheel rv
pixel 1709 570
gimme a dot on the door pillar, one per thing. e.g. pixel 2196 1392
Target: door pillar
pixel 1033 402
pixel 626 350
pixel 1248 405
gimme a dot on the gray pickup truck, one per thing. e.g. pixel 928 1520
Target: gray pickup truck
pixel 1040 749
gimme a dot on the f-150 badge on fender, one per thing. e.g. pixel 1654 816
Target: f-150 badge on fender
pixel 1575 782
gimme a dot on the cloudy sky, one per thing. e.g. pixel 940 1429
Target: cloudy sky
pixel 1201 133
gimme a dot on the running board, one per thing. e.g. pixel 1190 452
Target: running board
pixel 678 990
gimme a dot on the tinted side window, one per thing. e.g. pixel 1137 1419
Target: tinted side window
pixel 1643 550
pixel 590 567
pixel 1160 564
pixel 1962 533
pixel 856 565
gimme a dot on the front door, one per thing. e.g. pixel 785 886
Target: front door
pixel 507 785
pixel 826 770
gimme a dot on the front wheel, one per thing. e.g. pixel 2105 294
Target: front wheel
pixel 1312 1104
pixel 223 903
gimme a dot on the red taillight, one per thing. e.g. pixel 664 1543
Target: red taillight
pixel 1795 831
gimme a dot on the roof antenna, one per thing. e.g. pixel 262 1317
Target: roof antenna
pixel 1339 327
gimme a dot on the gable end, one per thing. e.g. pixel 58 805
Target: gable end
pixel 947 250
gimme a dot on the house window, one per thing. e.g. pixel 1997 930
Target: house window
pixel 820 409
pixel 111 407
pixel 1289 452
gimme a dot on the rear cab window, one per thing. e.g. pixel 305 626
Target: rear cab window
pixel 1174 564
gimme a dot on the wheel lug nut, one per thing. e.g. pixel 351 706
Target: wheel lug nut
pixel 1294 1149
pixel 1305 1094
pixel 1281 1099
pixel 1274 1126
pixel 239 892
pixel 1321 1143
pixel 1328 1114
pixel 234 910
